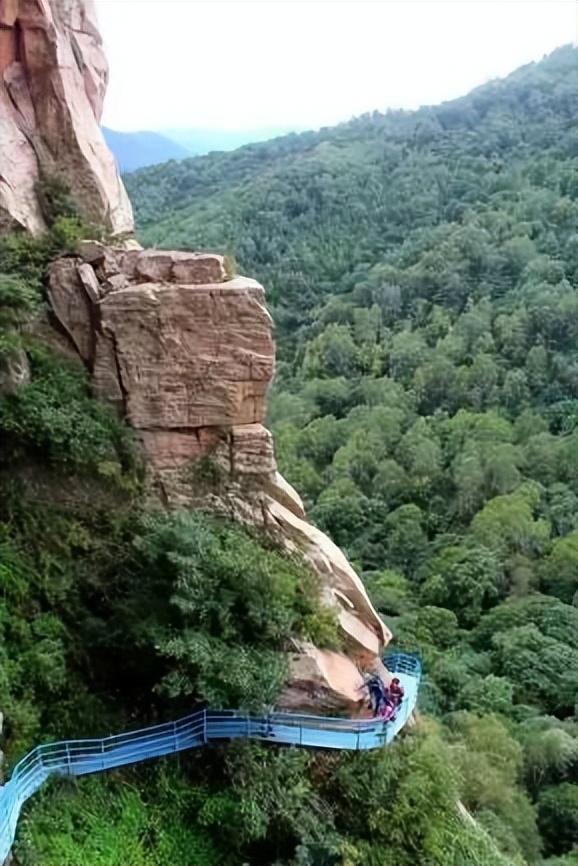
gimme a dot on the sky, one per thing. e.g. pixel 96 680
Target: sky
pixel 301 64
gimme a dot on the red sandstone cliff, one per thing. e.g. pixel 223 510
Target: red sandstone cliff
pixel 183 349
pixel 53 77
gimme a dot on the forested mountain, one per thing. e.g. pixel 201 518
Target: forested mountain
pixel 200 141
pixel 422 268
pixel 134 150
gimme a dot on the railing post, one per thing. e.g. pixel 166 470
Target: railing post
pixel 102 753
pixel 204 725
pixel 175 737
pixel 68 759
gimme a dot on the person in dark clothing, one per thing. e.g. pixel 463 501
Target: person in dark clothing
pixel 376 690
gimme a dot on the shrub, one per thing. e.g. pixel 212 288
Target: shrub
pixel 55 417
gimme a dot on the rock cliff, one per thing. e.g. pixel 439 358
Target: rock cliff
pixel 185 353
pixel 53 77
pixel 182 348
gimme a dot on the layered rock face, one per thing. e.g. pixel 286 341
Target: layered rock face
pixel 181 348
pixel 53 77
pixel 185 352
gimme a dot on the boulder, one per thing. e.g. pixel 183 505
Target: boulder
pixel 72 305
pixel 190 356
pixel 14 371
pixel 171 266
pixel 189 365
pixel 323 679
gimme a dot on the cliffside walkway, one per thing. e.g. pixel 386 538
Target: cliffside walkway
pixel 80 757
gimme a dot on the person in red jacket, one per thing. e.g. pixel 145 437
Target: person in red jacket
pixel 396 692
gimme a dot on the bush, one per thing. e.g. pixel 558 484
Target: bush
pixel 56 418
pixel 217 606
pixel 17 300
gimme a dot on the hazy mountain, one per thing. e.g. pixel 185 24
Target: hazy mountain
pixel 138 149
pixel 145 148
pixel 202 141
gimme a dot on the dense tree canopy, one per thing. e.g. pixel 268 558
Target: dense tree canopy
pixel 422 269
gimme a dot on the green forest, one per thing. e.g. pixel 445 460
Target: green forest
pixel 422 271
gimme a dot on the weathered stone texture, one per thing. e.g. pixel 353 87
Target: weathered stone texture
pixel 53 77
pixel 182 351
pixel 189 364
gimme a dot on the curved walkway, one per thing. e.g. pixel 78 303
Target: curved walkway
pixel 80 757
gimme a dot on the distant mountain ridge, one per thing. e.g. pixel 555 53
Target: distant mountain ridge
pixel 311 213
pixel 202 141
pixel 134 150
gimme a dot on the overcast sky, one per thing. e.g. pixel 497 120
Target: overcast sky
pixel 238 64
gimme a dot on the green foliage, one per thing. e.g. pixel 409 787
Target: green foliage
pixel 216 607
pixel 544 670
pixel 399 807
pixel 17 300
pixel 27 257
pixel 489 694
pixel 550 751
pixel 560 568
pixel 463 579
pixel 489 761
pixel 109 822
pixel 558 817
pixel 50 560
pixel 257 805
pixel 56 417
pixel 55 199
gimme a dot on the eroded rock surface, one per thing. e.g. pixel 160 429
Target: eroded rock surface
pixel 182 350
pixel 188 363
pixel 53 77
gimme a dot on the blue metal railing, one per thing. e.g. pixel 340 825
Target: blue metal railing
pixel 80 757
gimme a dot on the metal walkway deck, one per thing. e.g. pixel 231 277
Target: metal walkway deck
pixel 80 757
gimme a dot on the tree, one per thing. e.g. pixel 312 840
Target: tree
pixel 550 752
pixel 341 510
pixel 558 817
pixel 507 524
pixel 489 694
pixel 489 761
pixel 543 670
pixel 419 452
pixel 217 606
pixel 405 538
pixel 333 353
pixel 466 580
pixel 390 592
pixel 408 351
pixel 390 482
pixel 559 570
pixel 482 382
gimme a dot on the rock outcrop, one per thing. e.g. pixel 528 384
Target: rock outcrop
pixel 184 351
pixel 179 346
pixel 53 77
